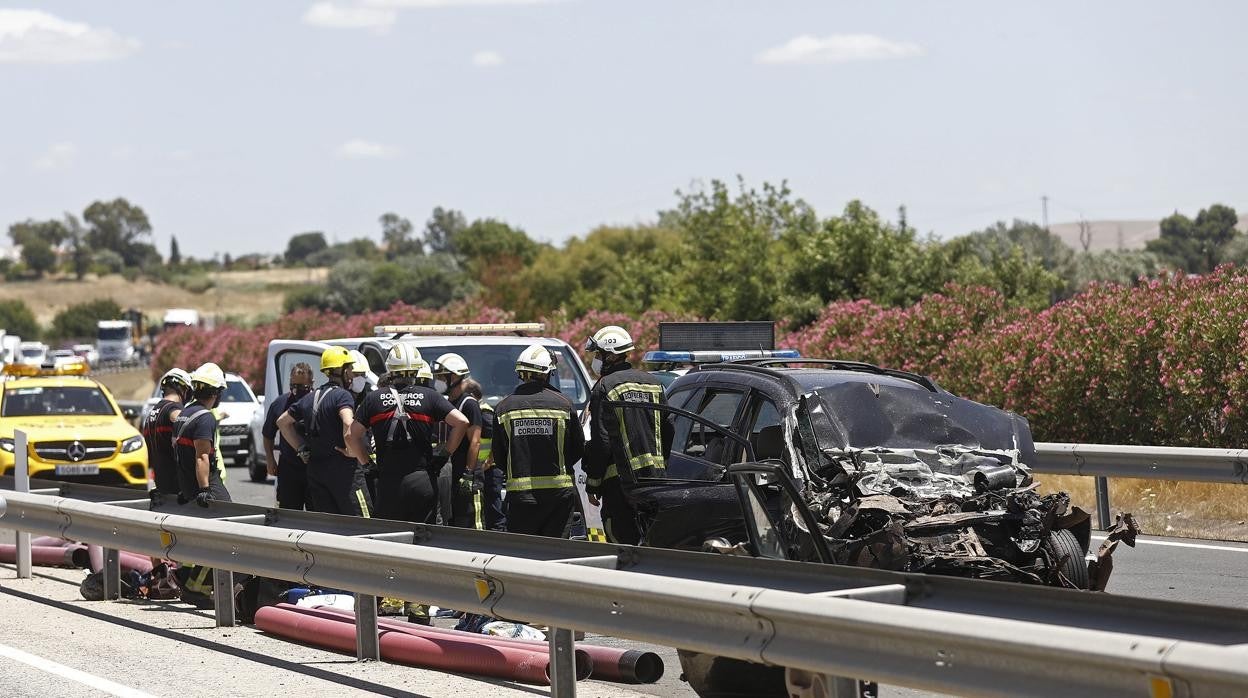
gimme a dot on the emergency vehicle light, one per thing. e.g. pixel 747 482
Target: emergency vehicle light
pixel 73 368
pixel 478 328
pixel 708 357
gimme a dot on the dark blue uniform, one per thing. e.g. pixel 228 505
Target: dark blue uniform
pixel 403 434
pixel 196 423
pixel 292 473
pixel 158 433
pixel 336 482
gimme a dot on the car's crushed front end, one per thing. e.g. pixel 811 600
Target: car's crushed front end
pixel 920 480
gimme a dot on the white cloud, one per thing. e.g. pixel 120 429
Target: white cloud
pixel 327 14
pixel 486 59
pixel 838 48
pixel 58 156
pixel 360 149
pixel 33 36
pixel 425 4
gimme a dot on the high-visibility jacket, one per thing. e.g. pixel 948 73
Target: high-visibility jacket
pixel 625 442
pixel 537 439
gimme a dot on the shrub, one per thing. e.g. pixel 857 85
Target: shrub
pixel 79 320
pixel 16 319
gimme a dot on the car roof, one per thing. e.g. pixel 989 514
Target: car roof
pixel 796 381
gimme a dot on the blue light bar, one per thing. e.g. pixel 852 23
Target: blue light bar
pixel 714 357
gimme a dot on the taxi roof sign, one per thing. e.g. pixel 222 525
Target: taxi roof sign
pixel 520 328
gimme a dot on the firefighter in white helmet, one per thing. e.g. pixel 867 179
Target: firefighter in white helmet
pixel 201 471
pixel 537 441
pixel 460 482
pixel 625 443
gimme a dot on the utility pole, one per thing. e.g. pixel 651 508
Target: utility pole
pixel 1044 209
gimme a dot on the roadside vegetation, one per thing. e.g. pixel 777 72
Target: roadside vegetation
pixel 1133 346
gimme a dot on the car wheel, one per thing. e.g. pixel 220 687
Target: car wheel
pixel 1064 549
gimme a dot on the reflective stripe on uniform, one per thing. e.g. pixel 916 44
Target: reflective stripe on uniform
pixel 539 482
pixel 477 504
pixel 359 495
pixel 560 419
pixel 642 460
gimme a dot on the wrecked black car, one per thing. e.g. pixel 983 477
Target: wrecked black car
pixel 848 463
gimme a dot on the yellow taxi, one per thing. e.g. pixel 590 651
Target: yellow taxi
pixel 74 429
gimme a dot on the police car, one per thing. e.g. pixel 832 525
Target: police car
pixel 490 350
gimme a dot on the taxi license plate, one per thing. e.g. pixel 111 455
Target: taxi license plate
pixel 231 440
pixel 77 470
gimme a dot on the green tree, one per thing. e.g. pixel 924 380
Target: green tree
pixel 1124 267
pixel 442 228
pixel 175 254
pixel 356 285
pixel 38 256
pixel 79 321
pixel 303 245
pixel 727 268
pixel 357 249
pixel 1196 246
pixel 51 232
pixel 119 226
pixel 16 319
pixel 396 234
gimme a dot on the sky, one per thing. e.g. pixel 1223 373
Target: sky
pixel 236 124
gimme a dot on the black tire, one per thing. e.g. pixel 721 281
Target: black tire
pixel 1064 550
pixel 720 677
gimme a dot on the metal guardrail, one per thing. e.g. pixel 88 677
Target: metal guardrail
pixel 945 634
pixel 837 632
pixel 1223 465
pixel 1103 461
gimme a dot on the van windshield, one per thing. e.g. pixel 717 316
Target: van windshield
pixel 114 333
pixel 494 367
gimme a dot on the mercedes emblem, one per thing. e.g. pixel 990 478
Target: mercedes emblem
pixel 76 451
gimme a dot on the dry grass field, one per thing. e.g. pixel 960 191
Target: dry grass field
pixel 236 294
pixel 1163 508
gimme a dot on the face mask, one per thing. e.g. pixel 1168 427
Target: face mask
pixel 596 366
pixel 439 385
pixel 300 390
pixel 358 383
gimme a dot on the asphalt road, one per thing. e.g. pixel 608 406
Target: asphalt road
pixel 166 648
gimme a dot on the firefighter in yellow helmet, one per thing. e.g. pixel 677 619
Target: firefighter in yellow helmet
pixel 537 441
pixel 335 479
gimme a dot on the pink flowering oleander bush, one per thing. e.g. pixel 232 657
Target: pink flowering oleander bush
pixel 1160 363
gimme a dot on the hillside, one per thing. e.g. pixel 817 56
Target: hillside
pixel 237 294
pixel 1106 235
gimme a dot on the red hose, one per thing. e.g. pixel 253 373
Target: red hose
pixel 461 656
pixel 609 663
pixel 47 555
pixel 129 561
pixel 50 541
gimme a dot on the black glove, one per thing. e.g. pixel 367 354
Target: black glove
pixel 305 454
pixel 203 497
pixel 182 500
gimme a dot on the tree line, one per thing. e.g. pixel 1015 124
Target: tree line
pixel 732 252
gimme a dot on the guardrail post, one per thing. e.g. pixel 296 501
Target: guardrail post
pixel 112 574
pixel 367 642
pixel 562 663
pixel 223 597
pixel 21 477
pixel 1102 503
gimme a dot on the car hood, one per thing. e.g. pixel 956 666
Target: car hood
pixel 238 412
pixel 69 427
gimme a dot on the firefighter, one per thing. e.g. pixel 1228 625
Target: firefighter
pixel 201 471
pixel 358 381
pixel 624 444
pixel 537 441
pixel 291 472
pixel 335 479
pixel 402 418
pixel 175 391
pixel 460 480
